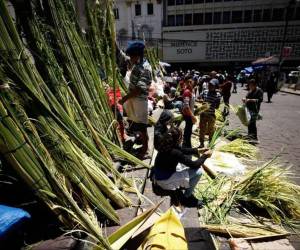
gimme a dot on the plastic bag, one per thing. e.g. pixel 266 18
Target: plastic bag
pixel 10 217
pixel 243 114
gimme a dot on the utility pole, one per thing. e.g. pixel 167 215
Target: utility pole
pixel 162 42
pixel 290 5
pixel 132 31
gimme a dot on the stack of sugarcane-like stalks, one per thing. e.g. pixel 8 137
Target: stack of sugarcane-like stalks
pixel 57 130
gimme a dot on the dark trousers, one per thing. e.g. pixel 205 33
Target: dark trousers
pixel 270 94
pixel 252 129
pixel 234 88
pixel 187 134
pixel 226 107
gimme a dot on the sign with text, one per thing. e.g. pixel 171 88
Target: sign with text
pixel 183 47
pixel 180 50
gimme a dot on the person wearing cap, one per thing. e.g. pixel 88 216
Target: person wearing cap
pixel 208 118
pixel 136 100
pixel 213 75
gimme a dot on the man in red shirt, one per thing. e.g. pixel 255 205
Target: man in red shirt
pixel 226 93
pixel 188 113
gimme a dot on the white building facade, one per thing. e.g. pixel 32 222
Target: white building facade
pixel 141 19
pixel 223 31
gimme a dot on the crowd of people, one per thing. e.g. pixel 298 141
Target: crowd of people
pixel 174 167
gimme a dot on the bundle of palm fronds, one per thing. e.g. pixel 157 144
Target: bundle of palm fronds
pixel 270 188
pixel 201 107
pixel 56 125
pixel 245 230
pixel 152 57
pixel 241 148
pixel 267 187
pixel 219 115
pixel 232 134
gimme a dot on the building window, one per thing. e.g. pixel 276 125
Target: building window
pixel 150 8
pixel 116 13
pixel 217 17
pixel 188 1
pixel 188 19
pixel 267 15
pixel 179 20
pixel 290 13
pixel 237 16
pixel 278 14
pixel 171 2
pixel 257 15
pixel 297 16
pixel 198 1
pixel 226 17
pixel 218 1
pixel 208 1
pixel 138 10
pixel 208 18
pixel 198 18
pixel 179 2
pixel 248 16
pixel 171 20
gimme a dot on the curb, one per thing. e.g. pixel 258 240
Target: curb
pixel 290 92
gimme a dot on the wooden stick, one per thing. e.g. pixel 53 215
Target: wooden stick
pixel 267 236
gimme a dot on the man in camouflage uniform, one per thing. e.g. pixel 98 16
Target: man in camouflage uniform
pixel 136 100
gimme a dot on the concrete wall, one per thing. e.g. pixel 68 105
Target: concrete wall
pixel 237 41
pixel 244 43
pixel 150 24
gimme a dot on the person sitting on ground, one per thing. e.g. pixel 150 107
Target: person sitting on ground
pixel 208 118
pixel 161 127
pixel 174 168
pixel 253 100
pixel 168 99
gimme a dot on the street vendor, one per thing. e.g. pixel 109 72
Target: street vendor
pixel 208 117
pixel 136 100
pixel 174 168
pixel 253 100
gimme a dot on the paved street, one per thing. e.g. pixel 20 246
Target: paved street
pixel 279 129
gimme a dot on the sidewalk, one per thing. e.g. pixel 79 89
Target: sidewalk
pixel 290 91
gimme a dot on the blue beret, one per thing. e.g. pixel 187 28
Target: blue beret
pixel 135 48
